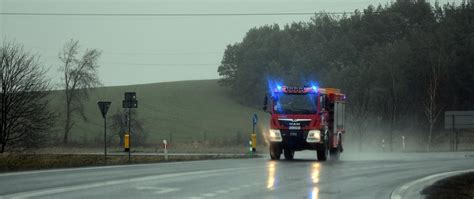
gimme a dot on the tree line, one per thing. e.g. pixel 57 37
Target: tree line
pixel 401 64
pixel 27 116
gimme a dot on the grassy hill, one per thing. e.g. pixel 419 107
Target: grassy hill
pixel 189 110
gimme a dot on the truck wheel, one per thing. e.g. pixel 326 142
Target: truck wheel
pixel 275 151
pixel 336 152
pixel 289 154
pixel 322 154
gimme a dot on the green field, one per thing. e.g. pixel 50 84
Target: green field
pixel 186 111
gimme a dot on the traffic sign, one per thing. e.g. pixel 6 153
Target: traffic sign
pixel 459 119
pixel 130 96
pixel 255 119
pixel 130 100
pixel 130 104
pixel 104 107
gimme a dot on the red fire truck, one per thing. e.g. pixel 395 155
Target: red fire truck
pixel 305 118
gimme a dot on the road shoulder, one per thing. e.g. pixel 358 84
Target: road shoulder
pixel 414 188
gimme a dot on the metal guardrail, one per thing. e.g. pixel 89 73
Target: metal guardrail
pixel 457 121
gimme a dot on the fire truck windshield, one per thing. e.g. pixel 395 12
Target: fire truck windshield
pixel 296 104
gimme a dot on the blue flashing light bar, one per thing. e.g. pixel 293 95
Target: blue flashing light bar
pixel 314 86
pixel 275 86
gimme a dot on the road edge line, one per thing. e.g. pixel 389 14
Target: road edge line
pixel 78 187
pixel 40 171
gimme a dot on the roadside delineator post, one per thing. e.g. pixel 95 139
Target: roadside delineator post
pixel 403 143
pixel 250 148
pixel 165 145
pixel 383 145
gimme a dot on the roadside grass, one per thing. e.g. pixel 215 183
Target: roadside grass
pixel 180 112
pixel 455 187
pixel 23 162
pixel 173 148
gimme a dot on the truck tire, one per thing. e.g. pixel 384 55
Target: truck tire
pixel 336 152
pixel 275 151
pixel 289 154
pixel 323 152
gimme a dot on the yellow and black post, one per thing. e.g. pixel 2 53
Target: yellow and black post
pixel 254 142
pixel 253 136
pixel 126 142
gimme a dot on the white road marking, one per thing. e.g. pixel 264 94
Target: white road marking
pixel 92 168
pixel 209 194
pixel 195 197
pixel 113 182
pixel 400 192
pixel 105 167
pixel 234 188
pixel 166 190
pixel 222 191
pixel 158 190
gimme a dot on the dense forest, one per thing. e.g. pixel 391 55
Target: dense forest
pixel 401 65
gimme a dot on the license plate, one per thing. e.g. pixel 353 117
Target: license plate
pixel 294 127
pixel 293 134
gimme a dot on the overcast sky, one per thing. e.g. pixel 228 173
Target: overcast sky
pixel 140 50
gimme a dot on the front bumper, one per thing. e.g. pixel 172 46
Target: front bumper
pixel 298 140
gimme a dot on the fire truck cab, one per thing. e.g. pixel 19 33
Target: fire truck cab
pixel 305 118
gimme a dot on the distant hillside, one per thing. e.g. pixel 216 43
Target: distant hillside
pixel 189 110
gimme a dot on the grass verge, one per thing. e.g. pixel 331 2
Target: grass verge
pixel 455 187
pixel 23 162
pixel 179 112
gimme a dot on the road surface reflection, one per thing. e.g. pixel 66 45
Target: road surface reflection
pixel 315 171
pixel 313 174
pixel 271 175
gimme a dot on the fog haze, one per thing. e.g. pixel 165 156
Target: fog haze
pixel 140 50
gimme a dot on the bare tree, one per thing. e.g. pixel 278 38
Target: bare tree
pixel 80 74
pixel 391 59
pixel 120 126
pixel 359 89
pixel 360 110
pixel 25 116
pixel 432 108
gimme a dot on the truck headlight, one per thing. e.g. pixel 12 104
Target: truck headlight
pixel 275 135
pixel 313 136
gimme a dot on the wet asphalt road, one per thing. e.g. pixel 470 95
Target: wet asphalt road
pixel 354 176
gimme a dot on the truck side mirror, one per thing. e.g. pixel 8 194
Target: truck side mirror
pixel 322 101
